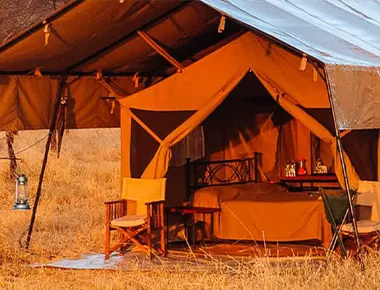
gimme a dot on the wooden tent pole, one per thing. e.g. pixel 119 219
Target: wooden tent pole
pixel 160 50
pixel 343 163
pixel 11 153
pixel 53 122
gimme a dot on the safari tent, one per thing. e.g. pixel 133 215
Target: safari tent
pixel 286 79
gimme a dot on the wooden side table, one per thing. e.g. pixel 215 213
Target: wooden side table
pixel 327 181
pixel 190 212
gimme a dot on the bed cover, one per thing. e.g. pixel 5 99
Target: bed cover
pixel 264 212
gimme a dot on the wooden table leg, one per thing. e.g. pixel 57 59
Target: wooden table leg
pixel 212 226
pixel 167 227
pixel 193 230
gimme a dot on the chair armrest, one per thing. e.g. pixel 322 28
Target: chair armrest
pixel 115 209
pixel 114 201
pixel 155 214
pixel 154 202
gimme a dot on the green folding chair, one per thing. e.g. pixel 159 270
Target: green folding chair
pixel 336 209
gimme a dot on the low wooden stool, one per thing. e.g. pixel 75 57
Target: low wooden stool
pixel 190 212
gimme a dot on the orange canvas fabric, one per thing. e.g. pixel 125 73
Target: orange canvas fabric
pixel 201 82
pixel 137 192
pixel 260 137
pixel 158 167
pixel 249 212
pixel 316 128
pixel 27 102
pixel 8 108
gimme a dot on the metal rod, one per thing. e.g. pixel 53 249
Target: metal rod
pixel 9 158
pixel 82 74
pixel 343 163
pixel 53 122
pixel 336 236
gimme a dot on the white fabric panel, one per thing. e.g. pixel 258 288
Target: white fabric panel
pixel 369 195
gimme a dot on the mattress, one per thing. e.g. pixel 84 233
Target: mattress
pixel 264 212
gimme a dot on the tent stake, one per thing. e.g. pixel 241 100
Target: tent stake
pixel 343 163
pixel 53 122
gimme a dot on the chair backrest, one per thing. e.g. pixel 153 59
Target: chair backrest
pixel 142 191
pixel 369 195
pixel 335 203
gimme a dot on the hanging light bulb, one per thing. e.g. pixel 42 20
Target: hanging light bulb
pixel 21 193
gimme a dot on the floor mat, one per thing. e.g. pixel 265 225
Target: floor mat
pixel 193 259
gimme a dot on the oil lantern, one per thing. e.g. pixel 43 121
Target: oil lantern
pixel 21 194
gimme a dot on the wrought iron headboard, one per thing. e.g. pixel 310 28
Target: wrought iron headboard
pixel 222 172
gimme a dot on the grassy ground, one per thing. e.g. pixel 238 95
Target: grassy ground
pixel 70 222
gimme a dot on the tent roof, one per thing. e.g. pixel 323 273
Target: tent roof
pixel 84 37
pixel 87 36
pixel 333 32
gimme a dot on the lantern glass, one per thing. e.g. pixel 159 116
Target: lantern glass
pixel 21 193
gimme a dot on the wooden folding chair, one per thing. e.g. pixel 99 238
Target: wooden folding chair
pixel 136 215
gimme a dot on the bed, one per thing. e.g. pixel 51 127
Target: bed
pixel 251 209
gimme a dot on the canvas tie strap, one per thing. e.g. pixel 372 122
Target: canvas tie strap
pixel 37 72
pixel 303 62
pixel 46 31
pixel 98 75
pixel 315 74
pixel 222 24
pixel 136 79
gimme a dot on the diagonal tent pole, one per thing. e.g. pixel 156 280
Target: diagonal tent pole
pixel 159 49
pixel 53 123
pixel 343 163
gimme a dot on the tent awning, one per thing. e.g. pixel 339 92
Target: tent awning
pixel 103 35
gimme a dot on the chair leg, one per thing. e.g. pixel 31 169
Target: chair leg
pixel 107 250
pixel 149 242
pixel 163 232
pixel 163 241
pixel 122 241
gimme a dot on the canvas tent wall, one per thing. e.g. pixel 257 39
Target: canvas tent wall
pixel 90 49
pixel 342 38
pixel 153 39
pixel 202 87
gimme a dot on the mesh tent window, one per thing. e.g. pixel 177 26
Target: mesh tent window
pixel 192 146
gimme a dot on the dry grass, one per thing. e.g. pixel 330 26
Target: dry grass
pixel 70 221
